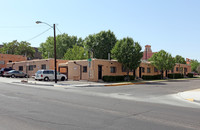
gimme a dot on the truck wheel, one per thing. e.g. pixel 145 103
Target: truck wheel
pixel 46 79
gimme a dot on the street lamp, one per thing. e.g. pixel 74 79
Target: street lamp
pixel 54 29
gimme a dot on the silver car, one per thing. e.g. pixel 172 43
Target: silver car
pixel 15 73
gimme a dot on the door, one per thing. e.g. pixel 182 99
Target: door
pixel 99 71
pixel 140 72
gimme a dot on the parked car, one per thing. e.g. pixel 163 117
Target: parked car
pixel 15 73
pixel 3 70
pixel 47 75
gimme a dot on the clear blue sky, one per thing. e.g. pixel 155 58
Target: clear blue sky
pixel 172 25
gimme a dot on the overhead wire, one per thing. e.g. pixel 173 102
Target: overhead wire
pixel 38 35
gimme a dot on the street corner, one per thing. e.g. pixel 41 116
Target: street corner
pixel 191 95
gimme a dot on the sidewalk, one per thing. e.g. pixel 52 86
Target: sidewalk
pixel 192 95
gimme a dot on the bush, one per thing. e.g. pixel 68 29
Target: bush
pixel 190 75
pixel 116 78
pixel 151 77
pixel 175 76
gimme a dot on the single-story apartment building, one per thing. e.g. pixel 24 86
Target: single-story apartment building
pixel 32 66
pixel 95 69
pixel 8 58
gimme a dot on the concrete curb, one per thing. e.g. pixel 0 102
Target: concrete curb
pixel 192 95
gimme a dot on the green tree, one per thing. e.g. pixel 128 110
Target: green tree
pixel 162 61
pixel 128 52
pixel 63 42
pixel 194 64
pixel 179 59
pixel 9 48
pixel 18 48
pixel 24 48
pixel 76 53
pixel 100 44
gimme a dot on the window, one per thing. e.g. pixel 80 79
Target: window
pixel 43 67
pixel 143 70
pixel 30 67
pixel 20 68
pixel 9 61
pixel 172 70
pixel 185 69
pixel 34 66
pixel 85 69
pixel 123 69
pixel 155 69
pixel 148 70
pixel 176 69
pixel 112 69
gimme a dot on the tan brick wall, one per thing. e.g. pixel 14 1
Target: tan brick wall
pixel 74 71
pixel 5 58
pixel 37 65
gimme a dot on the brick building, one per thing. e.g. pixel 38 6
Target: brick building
pixel 147 53
pixel 8 58
pixel 97 68
pixel 32 66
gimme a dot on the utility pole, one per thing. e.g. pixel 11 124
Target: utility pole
pixel 54 28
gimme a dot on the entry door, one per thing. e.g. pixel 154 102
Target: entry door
pixel 99 71
pixel 140 72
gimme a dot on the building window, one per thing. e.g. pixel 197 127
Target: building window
pixel 9 61
pixel 123 69
pixel 176 69
pixel 155 69
pixel 20 68
pixel 43 67
pixel 148 70
pixel 30 68
pixel 85 69
pixel 112 69
pixel 185 69
pixel 143 70
pixel 34 66
pixel 172 70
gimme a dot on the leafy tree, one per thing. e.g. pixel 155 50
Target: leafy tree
pixel 22 48
pixel 180 59
pixel 100 44
pixel 162 61
pixel 128 52
pixel 76 53
pixel 194 64
pixel 63 42
pixel 9 48
pixel 198 69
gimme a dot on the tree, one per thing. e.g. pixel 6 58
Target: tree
pixel 194 64
pixel 128 52
pixel 22 48
pixel 179 59
pixel 63 42
pixel 100 44
pixel 162 61
pixel 76 53
pixel 198 69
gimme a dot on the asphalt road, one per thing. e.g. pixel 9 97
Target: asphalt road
pixel 136 107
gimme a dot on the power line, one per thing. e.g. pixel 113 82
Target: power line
pixel 38 35
pixel 58 30
pixel 16 27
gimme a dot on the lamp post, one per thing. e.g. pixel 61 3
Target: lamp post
pixel 54 29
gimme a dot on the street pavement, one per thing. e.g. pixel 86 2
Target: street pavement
pixel 129 107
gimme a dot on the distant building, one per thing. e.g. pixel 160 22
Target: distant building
pixel 8 58
pixel 147 53
pixel 37 55
pixel 32 66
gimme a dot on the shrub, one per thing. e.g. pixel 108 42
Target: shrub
pixel 190 75
pixel 151 77
pixel 116 78
pixel 175 76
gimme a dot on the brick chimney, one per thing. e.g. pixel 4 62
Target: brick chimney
pixel 147 53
